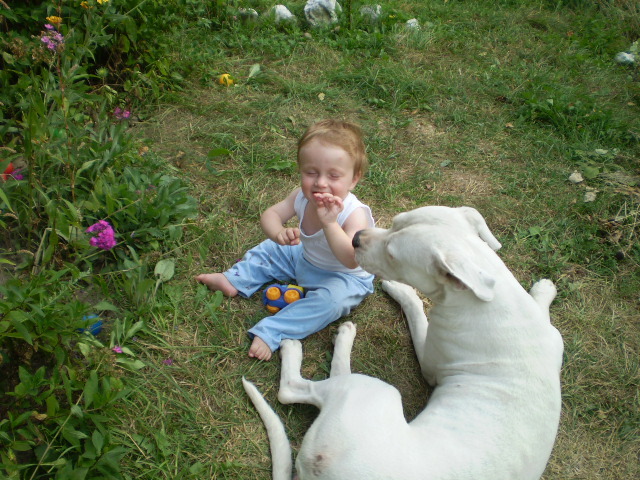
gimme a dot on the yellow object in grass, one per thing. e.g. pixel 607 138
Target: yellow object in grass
pixel 225 79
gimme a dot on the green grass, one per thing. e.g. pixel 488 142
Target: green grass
pixel 490 104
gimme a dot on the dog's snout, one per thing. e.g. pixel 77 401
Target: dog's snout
pixel 356 239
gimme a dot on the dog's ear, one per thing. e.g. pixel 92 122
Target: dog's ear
pixel 464 273
pixel 476 220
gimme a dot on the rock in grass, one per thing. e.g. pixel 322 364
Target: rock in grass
pixel 625 58
pixel 282 14
pixel 590 196
pixel 371 13
pixel 576 177
pixel 413 24
pixel 248 14
pixel 322 12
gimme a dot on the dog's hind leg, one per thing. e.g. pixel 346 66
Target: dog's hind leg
pixel 341 362
pixel 293 388
pixel 414 310
pixel 543 292
pixel 476 220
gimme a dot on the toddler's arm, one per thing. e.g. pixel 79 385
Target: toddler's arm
pixel 339 238
pixel 273 219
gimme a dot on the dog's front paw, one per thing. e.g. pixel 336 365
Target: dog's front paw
pixel 290 346
pixel 345 330
pixel 544 290
pixel 400 292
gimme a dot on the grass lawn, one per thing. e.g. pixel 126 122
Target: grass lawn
pixel 488 104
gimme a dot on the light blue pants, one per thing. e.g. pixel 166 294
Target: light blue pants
pixel 328 295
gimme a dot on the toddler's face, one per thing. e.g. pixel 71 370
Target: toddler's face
pixel 326 168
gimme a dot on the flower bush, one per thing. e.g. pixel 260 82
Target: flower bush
pixel 74 71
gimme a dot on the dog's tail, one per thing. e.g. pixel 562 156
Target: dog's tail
pixel 282 466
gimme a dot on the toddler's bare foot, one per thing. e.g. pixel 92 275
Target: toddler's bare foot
pixel 217 281
pixel 259 349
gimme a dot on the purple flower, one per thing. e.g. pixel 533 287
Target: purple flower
pixel 104 235
pixel 121 114
pixel 52 38
pixel 168 361
pixel 117 349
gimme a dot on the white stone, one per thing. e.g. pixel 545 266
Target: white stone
pixel 322 12
pixel 413 23
pixel 625 58
pixel 247 14
pixel 282 14
pixel 576 177
pixel 371 12
pixel 589 197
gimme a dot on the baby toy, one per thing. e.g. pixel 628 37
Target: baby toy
pixel 275 297
pixel 92 328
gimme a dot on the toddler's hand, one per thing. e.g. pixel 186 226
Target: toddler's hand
pixel 329 207
pixel 288 236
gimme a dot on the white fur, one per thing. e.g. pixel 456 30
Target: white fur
pixel 488 348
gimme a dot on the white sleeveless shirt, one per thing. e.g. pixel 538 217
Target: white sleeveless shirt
pixel 315 247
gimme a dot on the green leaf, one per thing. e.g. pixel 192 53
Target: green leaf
pixel 52 405
pixel 90 388
pixel 165 269
pixel 85 349
pixel 79 473
pixel 21 446
pixel 135 328
pixel 5 199
pixel 196 468
pixel 21 330
pixel 104 305
pixel 218 152
pixel 590 172
pixel 130 364
pixel 76 411
pixel 73 436
pixel 255 70
pixel 98 440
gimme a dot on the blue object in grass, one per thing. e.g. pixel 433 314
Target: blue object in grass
pixel 275 297
pixel 95 328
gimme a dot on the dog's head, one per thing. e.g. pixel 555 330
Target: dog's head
pixel 431 249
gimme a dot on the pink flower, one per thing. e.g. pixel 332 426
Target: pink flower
pixel 104 235
pixel 117 349
pixel 121 114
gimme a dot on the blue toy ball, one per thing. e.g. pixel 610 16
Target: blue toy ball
pixel 275 297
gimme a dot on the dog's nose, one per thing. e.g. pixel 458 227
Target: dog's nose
pixel 356 239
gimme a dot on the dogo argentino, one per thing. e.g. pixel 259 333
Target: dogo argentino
pixel 488 348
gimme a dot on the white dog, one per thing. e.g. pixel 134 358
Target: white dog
pixel 488 348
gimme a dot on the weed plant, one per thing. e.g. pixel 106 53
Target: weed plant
pixel 488 104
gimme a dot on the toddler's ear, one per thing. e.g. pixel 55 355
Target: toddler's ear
pixel 356 179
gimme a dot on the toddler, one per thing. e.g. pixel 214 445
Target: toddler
pixel 317 254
